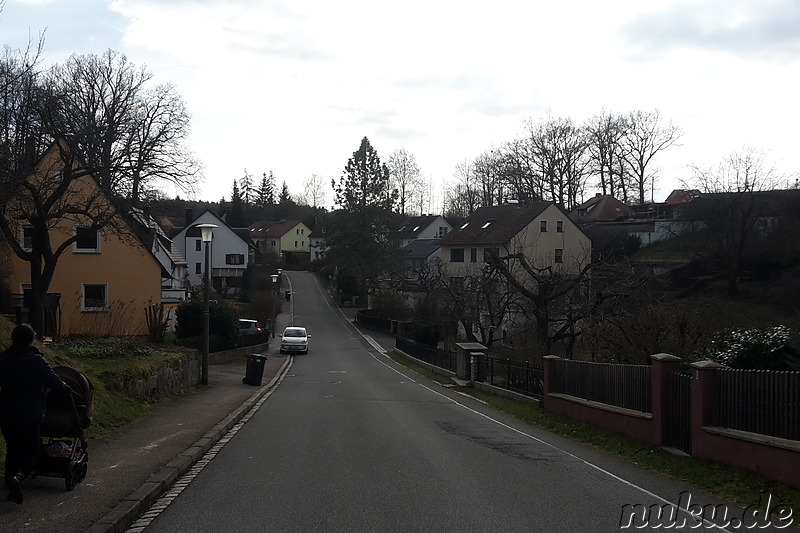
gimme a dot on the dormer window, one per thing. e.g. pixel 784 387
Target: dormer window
pixel 488 223
pixel 416 228
pixel 464 225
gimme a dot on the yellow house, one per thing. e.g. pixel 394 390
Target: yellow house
pixel 288 239
pixel 105 278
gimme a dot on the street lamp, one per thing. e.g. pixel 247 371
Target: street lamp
pixel 206 233
pixel 275 301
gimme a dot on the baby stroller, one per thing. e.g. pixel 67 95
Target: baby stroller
pixel 63 451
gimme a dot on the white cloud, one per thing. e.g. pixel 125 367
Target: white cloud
pixel 292 87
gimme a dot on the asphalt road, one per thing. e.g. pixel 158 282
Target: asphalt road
pixel 350 441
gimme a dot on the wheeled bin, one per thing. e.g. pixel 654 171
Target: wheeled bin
pixel 255 369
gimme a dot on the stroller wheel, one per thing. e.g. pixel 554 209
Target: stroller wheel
pixel 71 475
pixel 82 469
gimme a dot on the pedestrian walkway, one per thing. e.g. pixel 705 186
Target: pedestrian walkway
pixel 132 467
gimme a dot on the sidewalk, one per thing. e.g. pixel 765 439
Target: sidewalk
pixel 132 467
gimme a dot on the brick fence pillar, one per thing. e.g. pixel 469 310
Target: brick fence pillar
pixel 549 376
pixel 663 366
pixel 463 353
pixel 704 401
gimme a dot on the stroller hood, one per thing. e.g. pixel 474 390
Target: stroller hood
pixel 83 392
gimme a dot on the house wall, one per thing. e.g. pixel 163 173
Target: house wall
pixel 225 241
pixel 296 239
pixel 537 246
pixel 132 275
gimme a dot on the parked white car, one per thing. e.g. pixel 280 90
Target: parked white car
pixel 294 339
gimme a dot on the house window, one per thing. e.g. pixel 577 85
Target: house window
pixel 456 255
pixel 490 252
pixel 559 226
pixel 543 226
pixel 198 245
pixel 457 284
pixel 198 268
pixel 473 255
pixel 234 259
pixel 272 244
pixel 94 297
pixel 559 255
pixel 25 290
pixel 295 244
pixel 26 237
pixel 87 240
pixel 442 231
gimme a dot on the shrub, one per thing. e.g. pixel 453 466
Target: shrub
pixel 223 323
pixel 104 347
pixel 770 348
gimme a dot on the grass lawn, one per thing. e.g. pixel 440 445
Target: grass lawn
pixel 741 486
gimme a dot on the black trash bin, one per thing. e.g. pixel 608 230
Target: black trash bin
pixel 288 295
pixel 255 369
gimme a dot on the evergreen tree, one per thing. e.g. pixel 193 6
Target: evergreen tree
pixel 235 216
pixel 246 188
pixel 285 197
pixel 365 182
pixel 262 193
pixel 269 192
pixel 359 243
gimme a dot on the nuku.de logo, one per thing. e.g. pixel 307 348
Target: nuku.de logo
pixel 695 516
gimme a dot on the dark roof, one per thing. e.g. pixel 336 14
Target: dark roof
pixel 272 229
pixel 413 226
pixel 601 208
pixel 495 225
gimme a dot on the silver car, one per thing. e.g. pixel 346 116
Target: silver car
pixel 294 339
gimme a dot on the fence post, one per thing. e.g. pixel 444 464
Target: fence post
pixel 661 370
pixel 549 376
pixel 463 354
pixel 704 401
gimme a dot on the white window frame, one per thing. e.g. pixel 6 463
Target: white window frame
pixel 87 309
pixel 77 250
pixel 22 229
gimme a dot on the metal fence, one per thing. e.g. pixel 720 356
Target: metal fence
pixel 429 354
pixel 519 376
pixel 759 401
pixel 679 416
pixel 626 386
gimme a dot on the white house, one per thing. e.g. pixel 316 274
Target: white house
pixel 229 253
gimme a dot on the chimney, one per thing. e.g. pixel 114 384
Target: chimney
pixel 189 216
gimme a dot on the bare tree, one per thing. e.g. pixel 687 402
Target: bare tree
pixel 314 191
pixel 605 133
pixel 646 135
pixel 127 135
pixel 463 198
pixel 558 154
pixel 734 201
pixel 405 177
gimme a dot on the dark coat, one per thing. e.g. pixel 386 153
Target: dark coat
pixel 25 376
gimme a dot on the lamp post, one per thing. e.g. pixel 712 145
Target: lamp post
pixel 275 300
pixel 207 233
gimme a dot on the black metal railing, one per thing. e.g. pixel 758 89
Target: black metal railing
pixel 431 355
pixel 519 376
pixel 626 386
pixel 760 401
pixel 679 421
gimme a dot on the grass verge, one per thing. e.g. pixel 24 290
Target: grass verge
pixel 741 486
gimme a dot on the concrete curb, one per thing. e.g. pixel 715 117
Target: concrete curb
pixel 120 518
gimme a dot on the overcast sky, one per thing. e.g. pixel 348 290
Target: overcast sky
pixel 293 86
